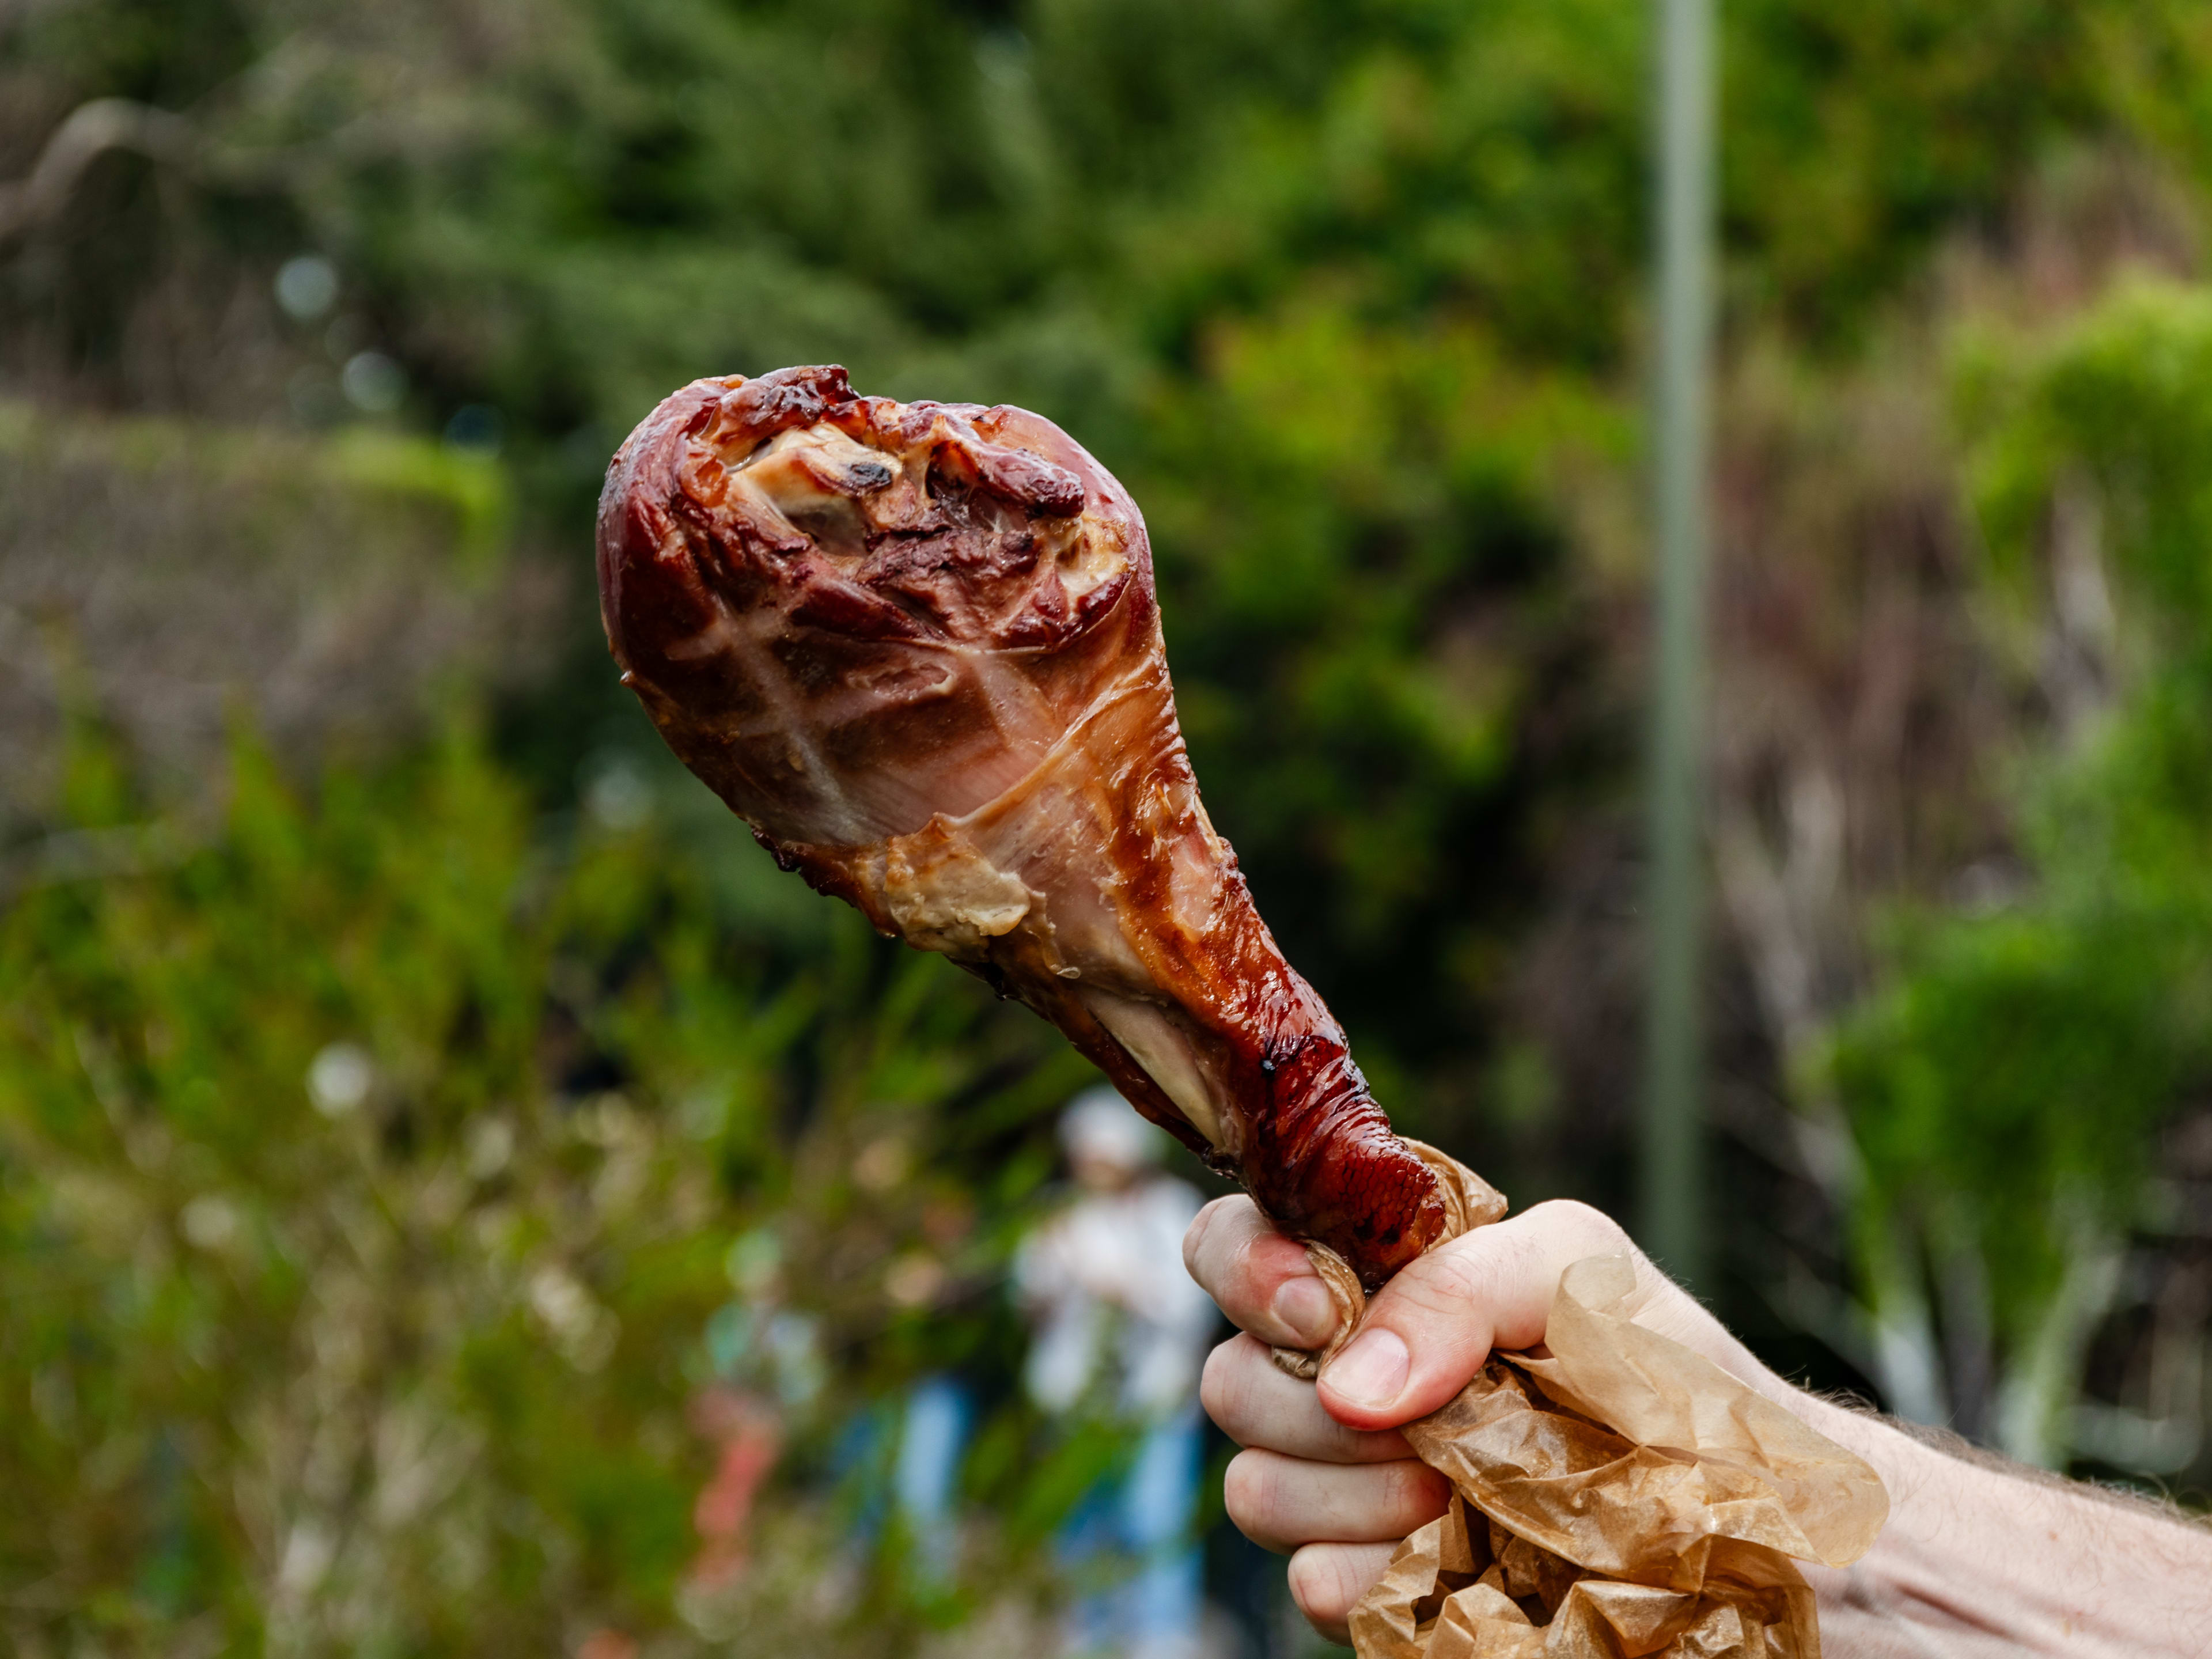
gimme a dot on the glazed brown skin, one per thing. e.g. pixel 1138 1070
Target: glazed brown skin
pixel 916 648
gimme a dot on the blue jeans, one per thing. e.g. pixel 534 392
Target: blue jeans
pixel 924 1479
pixel 1144 1514
pixel 922 1438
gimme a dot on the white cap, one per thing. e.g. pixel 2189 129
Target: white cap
pixel 1100 1126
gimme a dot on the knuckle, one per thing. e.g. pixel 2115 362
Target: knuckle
pixel 1219 1259
pixel 1262 1255
pixel 1457 1282
pixel 1586 1228
pixel 1399 1488
pixel 1220 1387
pixel 1235 1270
pixel 1194 1238
pixel 1247 1492
pixel 1458 1279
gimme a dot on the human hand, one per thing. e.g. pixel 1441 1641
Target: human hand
pixel 1324 1476
pixel 1979 1560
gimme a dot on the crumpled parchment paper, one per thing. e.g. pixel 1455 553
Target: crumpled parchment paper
pixel 1617 1495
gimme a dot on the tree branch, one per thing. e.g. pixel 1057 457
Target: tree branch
pixel 89 131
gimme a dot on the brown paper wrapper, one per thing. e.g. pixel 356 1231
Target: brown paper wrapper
pixel 1617 1495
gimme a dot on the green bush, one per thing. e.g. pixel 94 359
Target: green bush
pixel 2006 1089
pixel 368 1171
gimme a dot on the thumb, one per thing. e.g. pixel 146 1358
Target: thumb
pixel 1430 1329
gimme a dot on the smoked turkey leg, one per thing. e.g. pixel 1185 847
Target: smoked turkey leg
pixel 915 645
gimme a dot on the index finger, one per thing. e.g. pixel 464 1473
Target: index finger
pixel 1259 1278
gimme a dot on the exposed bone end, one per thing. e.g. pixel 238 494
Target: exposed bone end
pixel 1165 1051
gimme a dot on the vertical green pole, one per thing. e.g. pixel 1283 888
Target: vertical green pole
pixel 1672 1195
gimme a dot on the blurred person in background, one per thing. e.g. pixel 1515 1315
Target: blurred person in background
pixel 901 1457
pixel 1121 1330
pixel 747 1435
pixel 768 1377
pixel 904 1457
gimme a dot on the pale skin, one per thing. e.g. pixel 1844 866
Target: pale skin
pixel 1976 1561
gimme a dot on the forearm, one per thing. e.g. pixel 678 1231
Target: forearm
pixel 1976 1560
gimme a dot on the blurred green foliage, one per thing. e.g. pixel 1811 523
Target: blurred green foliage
pixel 1327 284
pixel 1349 295
pixel 329 591
pixel 365 1177
pixel 2006 1089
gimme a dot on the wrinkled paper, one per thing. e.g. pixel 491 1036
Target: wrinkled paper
pixel 1617 1495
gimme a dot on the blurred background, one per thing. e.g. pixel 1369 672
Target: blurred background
pixel 456 1197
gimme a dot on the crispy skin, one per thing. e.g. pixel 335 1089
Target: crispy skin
pixel 916 648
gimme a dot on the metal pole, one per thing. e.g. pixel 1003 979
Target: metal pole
pixel 1673 1195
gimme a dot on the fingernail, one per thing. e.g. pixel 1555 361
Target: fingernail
pixel 1371 1371
pixel 1305 1306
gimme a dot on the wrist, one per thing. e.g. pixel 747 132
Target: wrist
pixel 1901 1461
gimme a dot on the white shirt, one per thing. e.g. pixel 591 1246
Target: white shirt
pixel 1105 1282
